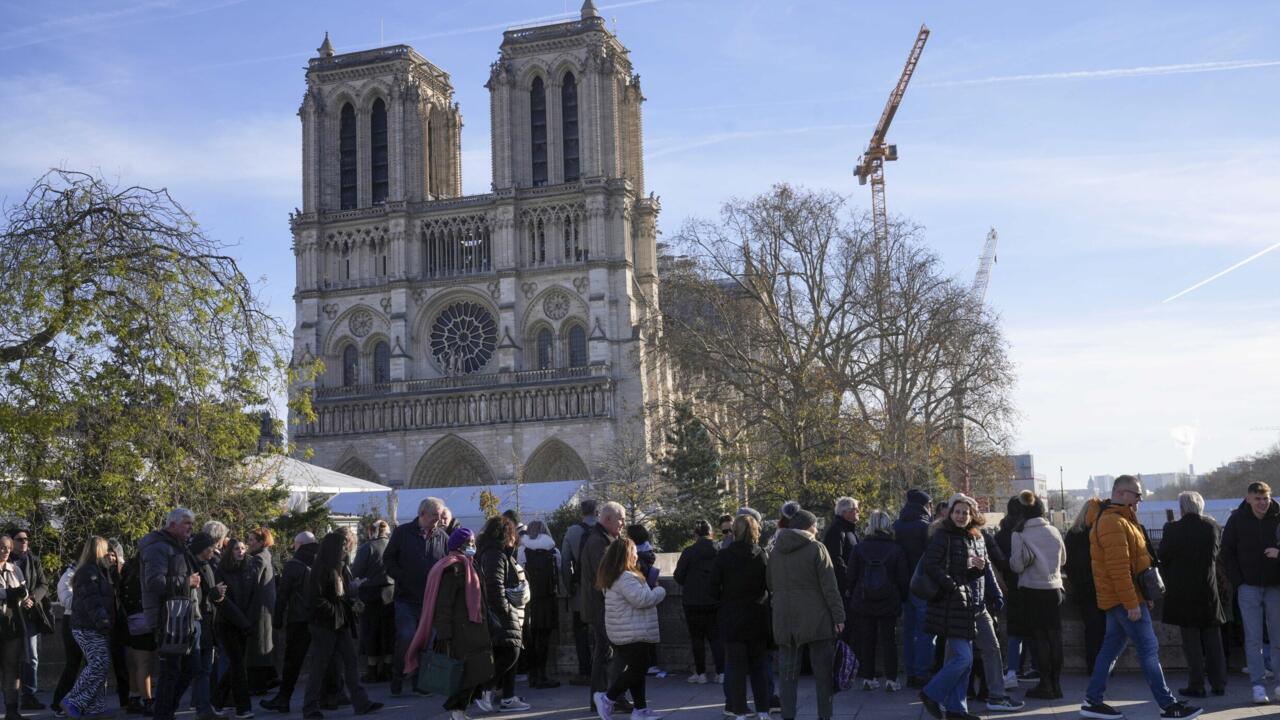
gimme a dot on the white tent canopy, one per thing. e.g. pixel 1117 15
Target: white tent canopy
pixel 303 479
pixel 534 501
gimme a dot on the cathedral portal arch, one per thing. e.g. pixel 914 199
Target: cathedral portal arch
pixel 554 461
pixel 451 462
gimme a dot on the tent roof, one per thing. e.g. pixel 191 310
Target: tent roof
pixel 299 476
pixel 536 500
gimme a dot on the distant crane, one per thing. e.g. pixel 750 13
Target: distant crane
pixel 871 164
pixel 985 261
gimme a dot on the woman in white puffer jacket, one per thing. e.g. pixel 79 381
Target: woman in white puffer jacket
pixel 631 622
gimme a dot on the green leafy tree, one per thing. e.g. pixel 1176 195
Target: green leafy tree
pixel 691 469
pixel 488 504
pixel 135 360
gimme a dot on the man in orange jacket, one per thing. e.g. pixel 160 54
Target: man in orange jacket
pixel 1119 553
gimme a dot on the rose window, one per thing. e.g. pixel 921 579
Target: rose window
pixel 463 337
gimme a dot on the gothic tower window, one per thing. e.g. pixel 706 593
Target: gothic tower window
pixel 378 143
pixel 381 363
pixel 350 366
pixel 544 349
pixel 569 126
pixel 577 346
pixel 347 157
pixel 538 131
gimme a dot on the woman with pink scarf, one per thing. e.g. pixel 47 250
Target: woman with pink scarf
pixel 453 610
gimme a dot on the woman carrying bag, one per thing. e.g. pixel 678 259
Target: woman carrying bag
pixel 93 612
pixel 453 610
pixel 1038 556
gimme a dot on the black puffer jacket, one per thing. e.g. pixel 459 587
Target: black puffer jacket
pixel 739 582
pixel 291 602
pixel 500 573
pixel 693 572
pixel 233 613
pixel 1244 541
pixel 93 600
pixel 881 561
pixel 946 560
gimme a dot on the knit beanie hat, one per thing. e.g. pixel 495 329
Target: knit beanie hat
pixel 961 497
pixel 919 497
pixel 460 538
pixel 803 520
pixel 789 509
pixel 1032 506
pixel 116 548
pixel 200 542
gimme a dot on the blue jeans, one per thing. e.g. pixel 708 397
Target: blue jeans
pixel 1121 631
pixel 30 665
pixel 407 616
pixel 917 645
pixel 1259 606
pixel 201 688
pixel 949 686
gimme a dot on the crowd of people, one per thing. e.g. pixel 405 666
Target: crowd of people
pixel 201 611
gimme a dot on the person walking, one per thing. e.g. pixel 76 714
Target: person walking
pixel 878 579
pixel 13 591
pixel 377 592
pixel 294 617
pixel 631 624
pixel 541 561
pixel 235 627
pixel 1188 554
pixel 610 522
pixel 413 549
pixel 740 585
pixel 169 571
pixel 140 642
pixel 808 612
pixel 35 614
pixel 1080 588
pixel 1037 555
pixel 331 605
pixel 92 615
pixel 454 612
pixel 505 592
pixel 1250 555
pixel 911 532
pixel 1120 554
pixel 956 561
pixel 570 583
pixel 693 573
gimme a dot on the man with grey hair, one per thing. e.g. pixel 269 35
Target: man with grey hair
pixel 1189 550
pixel 169 570
pixel 840 538
pixel 414 548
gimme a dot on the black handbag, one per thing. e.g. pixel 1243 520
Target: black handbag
pixel 922 585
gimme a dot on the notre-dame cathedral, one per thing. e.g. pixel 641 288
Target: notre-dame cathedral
pixel 474 339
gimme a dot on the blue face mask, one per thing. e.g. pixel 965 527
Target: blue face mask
pixel 470 551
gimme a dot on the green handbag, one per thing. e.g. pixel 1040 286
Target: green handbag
pixel 439 674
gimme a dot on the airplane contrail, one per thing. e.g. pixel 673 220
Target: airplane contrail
pixel 1215 276
pixel 1143 71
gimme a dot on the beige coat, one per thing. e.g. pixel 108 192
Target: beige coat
pixel 631 611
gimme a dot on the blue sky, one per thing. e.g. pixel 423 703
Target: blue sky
pixel 1124 152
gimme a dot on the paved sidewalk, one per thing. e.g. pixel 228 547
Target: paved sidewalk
pixel 676 698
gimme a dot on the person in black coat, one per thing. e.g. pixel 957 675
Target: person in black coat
pixel 693 572
pixel 1188 559
pixel 506 593
pixel 261 567
pixel 956 562
pixel 878 580
pixel 1080 588
pixel 1014 622
pixel 412 550
pixel 377 591
pixel 911 532
pixel 294 617
pixel 739 583
pixel 93 610
pixel 840 538
pixel 35 613
pixel 234 626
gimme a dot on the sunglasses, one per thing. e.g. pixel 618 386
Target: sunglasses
pixel 726 531
pixel 21 538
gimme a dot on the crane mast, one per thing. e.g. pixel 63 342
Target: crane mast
pixel 871 164
pixel 985 261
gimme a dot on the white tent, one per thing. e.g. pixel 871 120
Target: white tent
pixel 534 501
pixel 303 480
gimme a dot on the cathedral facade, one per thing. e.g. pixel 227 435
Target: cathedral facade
pixel 474 340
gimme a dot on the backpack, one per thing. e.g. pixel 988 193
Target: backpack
pixel 874 584
pixel 576 570
pixel 540 571
pixel 845 668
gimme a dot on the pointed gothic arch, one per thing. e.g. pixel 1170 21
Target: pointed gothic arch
pixel 451 462
pixel 355 467
pixel 553 461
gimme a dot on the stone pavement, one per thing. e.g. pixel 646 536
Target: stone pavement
pixel 676 698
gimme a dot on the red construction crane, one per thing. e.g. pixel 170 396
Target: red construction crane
pixel 871 164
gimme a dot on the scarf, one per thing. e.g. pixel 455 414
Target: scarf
pixel 429 596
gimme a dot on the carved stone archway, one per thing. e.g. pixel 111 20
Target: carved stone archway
pixel 355 467
pixel 451 462
pixel 553 461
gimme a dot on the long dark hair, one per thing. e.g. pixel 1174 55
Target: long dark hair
pixel 326 570
pixel 498 531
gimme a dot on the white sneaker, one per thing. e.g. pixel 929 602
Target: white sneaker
pixel 891 686
pixel 720 679
pixel 698 679
pixel 870 685
pixel 514 703
pixel 458 715
pixel 1011 680
pixel 604 706
pixel 485 701
pixel 1260 695
pixel 645 714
